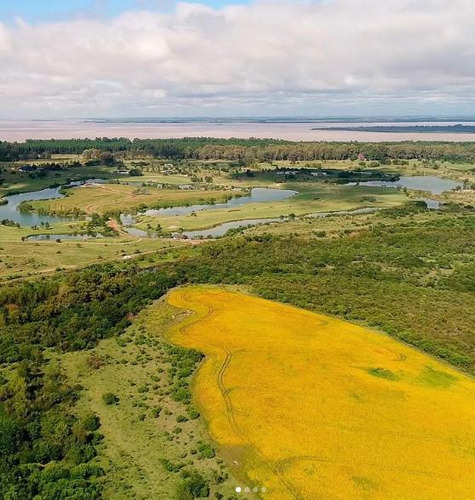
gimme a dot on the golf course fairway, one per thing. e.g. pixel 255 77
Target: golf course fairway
pixel 305 406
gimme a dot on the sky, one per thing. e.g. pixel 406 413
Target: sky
pixel 161 58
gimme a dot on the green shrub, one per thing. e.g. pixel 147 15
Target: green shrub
pixel 91 422
pixel 110 399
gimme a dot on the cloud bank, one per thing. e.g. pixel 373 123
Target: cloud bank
pixel 356 56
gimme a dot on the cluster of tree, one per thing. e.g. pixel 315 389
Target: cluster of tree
pixel 241 151
pixel 73 312
pixel 9 222
pixel 100 224
pixel 45 450
pixel 53 166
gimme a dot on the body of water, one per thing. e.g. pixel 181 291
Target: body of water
pixel 50 237
pixel 222 229
pixel 296 130
pixel 139 233
pixel 10 210
pixel 258 195
pixel 432 184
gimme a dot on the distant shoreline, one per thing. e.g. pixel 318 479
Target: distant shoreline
pixel 406 129
pixel 363 131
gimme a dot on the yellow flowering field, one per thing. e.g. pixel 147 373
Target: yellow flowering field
pixel 305 406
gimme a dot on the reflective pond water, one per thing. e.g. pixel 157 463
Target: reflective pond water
pixel 435 185
pixel 222 229
pixel 10 210
pixel 430 183
pixel 257 195
pixel 48 237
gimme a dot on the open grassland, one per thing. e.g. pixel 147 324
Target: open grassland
pixel 308 406
pixel 118 197
pixel 177 180
pixel 154 441
pixel 464 197
pixel 311 198
pixel 29 258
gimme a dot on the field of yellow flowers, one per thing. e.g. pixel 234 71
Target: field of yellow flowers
pixel 305 406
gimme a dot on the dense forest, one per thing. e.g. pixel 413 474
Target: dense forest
pixel 244 150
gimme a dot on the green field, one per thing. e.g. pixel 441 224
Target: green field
pixel 312 198
pixel 31 258
pixel 101 198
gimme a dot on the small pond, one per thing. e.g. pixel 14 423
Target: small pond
pixel 258 195
pixel 10 209
pixel 222 229
pixel 430 183
pixel 48 237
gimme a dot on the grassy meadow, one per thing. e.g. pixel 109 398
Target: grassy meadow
pixel 308 406
pixel 101 198
pixel 312 198
pixel 19 259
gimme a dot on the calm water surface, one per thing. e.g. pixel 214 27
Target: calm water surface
pixel 48 237
pixel 11 130
pixel 258 195
pixel 10 210
pixel 435 185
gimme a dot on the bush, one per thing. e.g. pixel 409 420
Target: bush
pixel 206 451
pixel 91 422
pixel 193 487
pixel 110 399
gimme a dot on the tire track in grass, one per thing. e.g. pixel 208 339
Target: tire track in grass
pixel 294 492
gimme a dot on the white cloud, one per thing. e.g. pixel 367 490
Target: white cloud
pixel 274 55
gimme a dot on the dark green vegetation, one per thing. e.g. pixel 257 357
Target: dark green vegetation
pixel 415 282
pixel 242 150
pixel 312 173
pixel 74 312
pixel 45 450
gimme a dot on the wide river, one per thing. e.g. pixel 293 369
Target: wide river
pixel 294 131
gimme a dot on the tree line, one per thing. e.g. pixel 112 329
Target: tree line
pixel 242 150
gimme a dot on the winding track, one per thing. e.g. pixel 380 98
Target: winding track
pixel 228 356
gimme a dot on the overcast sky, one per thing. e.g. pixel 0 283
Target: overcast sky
pixel 118 58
